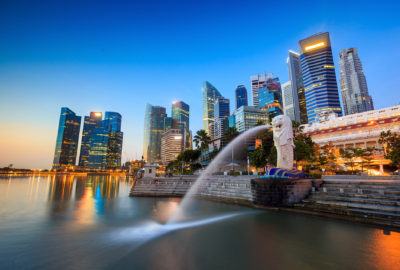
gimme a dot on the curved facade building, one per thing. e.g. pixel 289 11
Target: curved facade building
pixel 319 77
pixel 210 93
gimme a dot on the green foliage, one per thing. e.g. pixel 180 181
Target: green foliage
pixel 259 123
pixel 304 148
pixel 258 157
pixel 391 143
pixel 186 162
pixel 201 139
pixel 230 134
pixel 273 156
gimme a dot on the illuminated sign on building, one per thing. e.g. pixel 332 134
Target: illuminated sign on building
pixel 314 46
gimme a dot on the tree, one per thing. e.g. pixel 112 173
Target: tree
pixel 201 139
pixel 258 157
pixel 259 123
pixel 230 134
pixel 350 154
pixel 366 155
pixel 391 146
pixel 303 148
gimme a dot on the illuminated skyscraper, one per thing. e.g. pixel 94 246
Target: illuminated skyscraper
pixel 241 96
pixel 319 78
pixel 353 84
pixel 288 100
pixel 209 95
pixel 270 96
pixel 246 117
pixel 180 111
pixel 154 127
pixel 258 81
pixel 106 143
pixel 297 97
pixel 67 139
pixel 172 144
pixel 90 123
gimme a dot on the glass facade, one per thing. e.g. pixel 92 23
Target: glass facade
pixel 246 117
pixel 154 127
pixel 67 139
pixel 221 112
pixel 319 78
pixel 209 95
pixel 298 95
pixel 241 96
pixel 90 123
pixel 232 120
pixel 270 97
pixel 353 84
pixel 106 143
pixel 258 81
pixel 180 111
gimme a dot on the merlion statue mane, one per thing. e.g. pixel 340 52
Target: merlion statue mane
pixel 283 141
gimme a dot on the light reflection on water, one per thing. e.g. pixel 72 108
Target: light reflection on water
pixel 90 222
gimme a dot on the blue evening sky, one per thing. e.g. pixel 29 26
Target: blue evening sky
pixel 116 56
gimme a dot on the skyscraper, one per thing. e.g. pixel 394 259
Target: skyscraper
pixel 106 143
pixel 221 112
pixel 154 127
pixel 172 144
pixel 246 117
pixel 67 139
pixel 296 80
pixel 270 96
pixel 90 123
pixel 258 81
pixel 319 76
pixel 353 84
pixel 180 111
pixel 209 95
pixel 288 100
pixel 241 96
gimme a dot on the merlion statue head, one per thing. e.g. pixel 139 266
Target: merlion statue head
pixel 283 131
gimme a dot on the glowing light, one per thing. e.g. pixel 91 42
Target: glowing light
pixel 178 137
pixel 97 113
pixel 314 46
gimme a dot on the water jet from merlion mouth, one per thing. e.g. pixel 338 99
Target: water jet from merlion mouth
pixel 237 147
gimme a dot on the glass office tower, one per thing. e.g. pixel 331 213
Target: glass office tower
pixel 296 81
pixel 241 96
pixel 221 112
pixel 258 81
pixel 90 123
pixel 353 84
pixel 270 97
pixel 180 111
pixel 154 127
pixel 319 78
pixel 67 139
pixel 106 143
pixel 209 95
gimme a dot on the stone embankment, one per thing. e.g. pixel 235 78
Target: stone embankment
pixel 366 199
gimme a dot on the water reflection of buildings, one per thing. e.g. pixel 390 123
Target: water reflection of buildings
pixel 61 188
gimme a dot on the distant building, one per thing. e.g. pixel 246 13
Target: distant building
pixel 288 101
pixel 210 93
pixel 258 81
pixel 67 139
pixel 270 97
pixel 232 120
pixel 154 127
pixel 246 117
pixel 172 144
pixel 353 84
pixel 180 112
pixel 221 112
pixel 298 96
pixel 106 143
pixel 241 96
pixel 319 76
pixel 89 125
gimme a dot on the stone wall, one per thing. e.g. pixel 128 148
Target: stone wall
pixel 237 189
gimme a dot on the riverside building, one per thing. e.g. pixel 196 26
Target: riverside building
pixel 221 112
pixel 246 117
pixel 353 84
pixel 67 139
pixel 154 127
pixel 270 97
pixel 319 78
pixel 106 143
pixel 172 144
pixel 359 130
pixel 89 125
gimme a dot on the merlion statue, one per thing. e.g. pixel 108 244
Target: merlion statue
pixel 283 140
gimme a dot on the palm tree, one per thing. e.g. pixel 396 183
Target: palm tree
pixel 230 134
pixel 202 139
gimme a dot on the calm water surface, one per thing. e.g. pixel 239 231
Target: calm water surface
pixel 91 223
